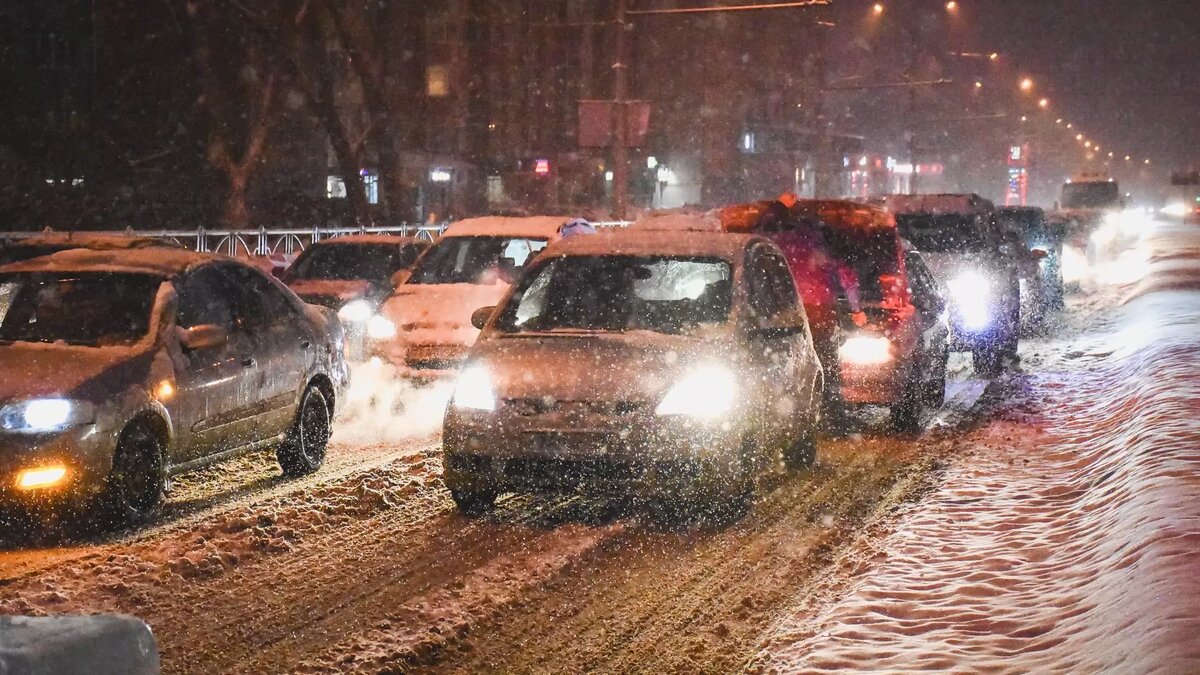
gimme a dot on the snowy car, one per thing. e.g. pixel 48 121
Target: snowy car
pixel 124 368
pixel 352 275
pixel 958 236
pixel 672 366
pixel 424 328
pixel 55 242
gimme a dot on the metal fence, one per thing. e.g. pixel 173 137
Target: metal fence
pixel 264 241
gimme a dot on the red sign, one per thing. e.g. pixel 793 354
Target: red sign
pixel 596 127
pixel 541 167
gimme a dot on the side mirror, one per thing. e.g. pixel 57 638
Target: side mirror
pixel 401 277
pixel 1039 254
pixel 480 317
pixel 205 336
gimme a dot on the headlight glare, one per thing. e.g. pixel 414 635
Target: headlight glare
pixel 380 328
pixel 707 392
pixel 473 390
pixel 970 288
pixel 356 311
pixel 45 414
pixel 866 350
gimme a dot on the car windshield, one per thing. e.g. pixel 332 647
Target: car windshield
pixel 1090 195
pixel 946 233
pixel 354 261
pixel 475 260
pixel 873 254
pixel 11 254
pixel 79 308
pixel 621 293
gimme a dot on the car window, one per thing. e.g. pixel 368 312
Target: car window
pixel 204 300
pixel 475 260
pixel 256 301
pixel 782 282
pixel 767 296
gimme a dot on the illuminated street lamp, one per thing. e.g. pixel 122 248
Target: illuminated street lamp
pixel 1079 137
pixel 993 56
pixel 1128 158
pixel 951 6
pixel 878 9
pixel 1147 161
pixel 1044 103
pixel 1058 121
pixel 1069 125
pixel 978 84
pixel 1027 84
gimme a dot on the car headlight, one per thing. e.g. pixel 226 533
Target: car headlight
pixel 866 350
pixel 380 328
pixel 473 390
pixel 46 414
pixel 356 311
pixel 972 294
pixel 706 392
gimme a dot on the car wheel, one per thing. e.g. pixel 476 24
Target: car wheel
pixel 303 448
pixel 906 413
pixel 473 503
pixel 802 453
pixel 137 485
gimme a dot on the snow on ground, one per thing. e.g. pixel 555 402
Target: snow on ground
pixel 1069 539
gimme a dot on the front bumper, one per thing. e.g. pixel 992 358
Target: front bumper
pixel 85 452
pixel 420 362
pixel 631 453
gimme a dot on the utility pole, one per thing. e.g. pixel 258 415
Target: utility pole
pixel 620 150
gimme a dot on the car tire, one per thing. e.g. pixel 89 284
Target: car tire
pixel 906 413
pixel 473 503
pixel 303 448
pixel 136 487
pixel 802 453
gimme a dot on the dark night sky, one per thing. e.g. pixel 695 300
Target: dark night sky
pixel 1126 71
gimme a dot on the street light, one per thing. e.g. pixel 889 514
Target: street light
pixel 1027 84
pixel 978 84
pixel 1058 121
pixel 1079 137
pixel 1069 125
pixel 951 6
pixel 993 56
pixel 1044 103
pixel 878 9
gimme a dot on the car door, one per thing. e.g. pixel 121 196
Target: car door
pixel 215 387
pixel 774 349
pixel 931 312
pixel 284 348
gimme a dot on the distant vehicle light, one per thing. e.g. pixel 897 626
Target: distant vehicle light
pixel 705 393
pixel 356 311
pixel 1175 209
pixel 380 328
pixel 864 350
pixel 41 477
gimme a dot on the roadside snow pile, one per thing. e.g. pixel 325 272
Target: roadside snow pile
pixel 380 406
pixel 1071 540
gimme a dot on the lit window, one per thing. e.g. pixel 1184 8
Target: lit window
pixel 371 184
pixel 748 141
pixel 437 81
pixel 335 187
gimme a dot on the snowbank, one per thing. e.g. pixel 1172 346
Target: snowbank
pixel 1075 549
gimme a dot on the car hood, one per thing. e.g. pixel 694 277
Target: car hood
pixel 638 366
pixel 94 374
pixel 439 313
pixel 344 290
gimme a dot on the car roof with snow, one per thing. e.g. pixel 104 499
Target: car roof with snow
pixel 634 241
pixel 99 241
pixel 381 239
pixel 536 227
pixel 936 204
pixel 163 262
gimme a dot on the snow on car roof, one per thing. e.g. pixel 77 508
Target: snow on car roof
pixel 537 227
pixel 679 222
pixel 650 242
pixel 164 262
pixel 95 241
pixel 938 204
pixel 384 239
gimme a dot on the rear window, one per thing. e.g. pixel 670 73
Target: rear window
pixel 621 293
pixel 475 260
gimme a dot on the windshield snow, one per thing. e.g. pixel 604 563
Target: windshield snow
pixel 475 260
pixel 92 308
pixel 354 261
pixel 621 293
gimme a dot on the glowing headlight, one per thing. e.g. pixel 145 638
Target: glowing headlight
pixel 864 350
pixel 473 391
pixel 45 414
pixel 380 328
pixel 356 311
pixel 1176 209
pixel 972 294
pixel 1105 234
pixel 707 392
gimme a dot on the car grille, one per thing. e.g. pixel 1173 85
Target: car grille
pixel 434 364
pixel 532 407
pixel 570 471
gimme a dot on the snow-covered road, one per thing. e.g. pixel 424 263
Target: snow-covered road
pixel 1048 521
